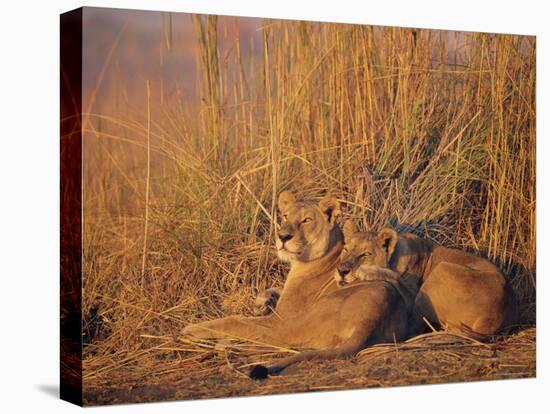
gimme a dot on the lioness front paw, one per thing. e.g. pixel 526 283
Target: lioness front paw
pixel 266 302
pixel 197 331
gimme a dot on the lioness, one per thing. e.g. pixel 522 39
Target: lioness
pixel 312 311
pixel 461 292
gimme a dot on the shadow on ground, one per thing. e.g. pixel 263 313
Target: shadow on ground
pixel 49 389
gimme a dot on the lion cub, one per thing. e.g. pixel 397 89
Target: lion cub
pixel 455 290
pixel 366 257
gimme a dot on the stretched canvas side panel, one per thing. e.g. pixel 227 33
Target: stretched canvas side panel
pixel 71 206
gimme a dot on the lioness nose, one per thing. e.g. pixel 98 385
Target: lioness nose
pixel 285 236
pixel 343 271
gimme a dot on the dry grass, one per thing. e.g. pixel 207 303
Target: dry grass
pixel 176 370
pixel 427 130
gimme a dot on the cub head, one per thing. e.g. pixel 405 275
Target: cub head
pixel 306 227
pixel 364 253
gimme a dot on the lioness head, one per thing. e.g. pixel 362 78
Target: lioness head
pixel 364 253
pixel 306 227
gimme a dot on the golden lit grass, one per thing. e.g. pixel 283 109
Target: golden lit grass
pixel 427 129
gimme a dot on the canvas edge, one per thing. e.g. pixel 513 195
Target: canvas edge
pixel 71 206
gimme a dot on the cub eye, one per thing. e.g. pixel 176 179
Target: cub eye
pixel 365 254
pixel 285 217
pixel 307 220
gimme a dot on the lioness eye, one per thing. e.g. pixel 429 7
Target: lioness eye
pixel 306 220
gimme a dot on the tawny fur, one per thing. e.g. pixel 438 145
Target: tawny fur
pixel 459 291
pixel 312 312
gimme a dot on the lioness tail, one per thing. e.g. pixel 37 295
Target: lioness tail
pixel 348 348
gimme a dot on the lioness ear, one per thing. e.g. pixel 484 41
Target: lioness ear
pixel 286 198
pixel 331 208
pixel 387 239
pixel 349 230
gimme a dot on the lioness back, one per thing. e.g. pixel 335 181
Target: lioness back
pixel 372 309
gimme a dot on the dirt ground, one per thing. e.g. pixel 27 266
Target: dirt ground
pixel 172 370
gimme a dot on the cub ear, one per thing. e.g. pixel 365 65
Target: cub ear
pixel 349 230
pixel 387 239
pixel 330 207
pixel 286 199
